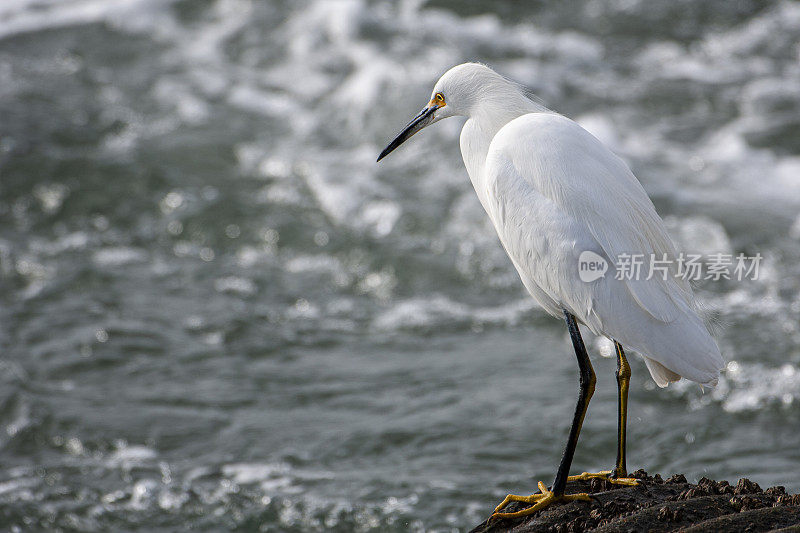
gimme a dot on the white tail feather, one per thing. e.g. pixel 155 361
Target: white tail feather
pixel 660 374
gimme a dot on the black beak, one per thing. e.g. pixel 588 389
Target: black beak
pixel 424 118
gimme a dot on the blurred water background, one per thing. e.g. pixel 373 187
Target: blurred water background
pixel 217 312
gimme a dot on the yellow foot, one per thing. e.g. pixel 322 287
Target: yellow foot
pixel 539 501
pixel 605 474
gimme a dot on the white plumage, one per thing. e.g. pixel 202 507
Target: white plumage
pixel 552 191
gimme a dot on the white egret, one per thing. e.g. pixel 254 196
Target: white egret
pixel 553 191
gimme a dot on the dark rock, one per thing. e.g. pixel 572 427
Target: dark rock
pixel 677 478
pixel 776 491
pixel 659 506
pixel 745 486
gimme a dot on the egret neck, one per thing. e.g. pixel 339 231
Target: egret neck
pixel 491 111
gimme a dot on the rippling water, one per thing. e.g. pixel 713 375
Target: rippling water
pixel 218 312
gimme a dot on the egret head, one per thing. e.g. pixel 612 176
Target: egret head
pixel 466 90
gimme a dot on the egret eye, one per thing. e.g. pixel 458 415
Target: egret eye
pixel 439 98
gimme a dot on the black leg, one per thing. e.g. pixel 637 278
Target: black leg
pixel 587 382
pixel 623 379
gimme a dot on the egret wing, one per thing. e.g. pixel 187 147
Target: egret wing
pixel 554 192
pixel 562 162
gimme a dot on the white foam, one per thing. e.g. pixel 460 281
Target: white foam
pixel 118 256
pixel 750 387
pixel 439 311
pixel 127 456
pixel 25 16
pixel 236 285
pixel 245 473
